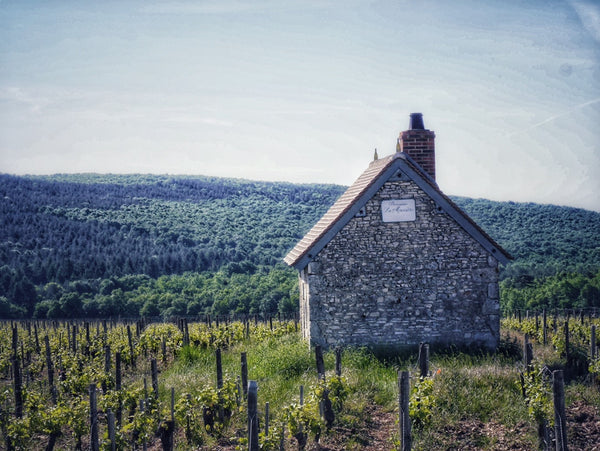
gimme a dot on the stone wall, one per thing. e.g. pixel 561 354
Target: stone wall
pixel 401 283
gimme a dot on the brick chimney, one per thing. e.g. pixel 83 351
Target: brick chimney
pixel 419 144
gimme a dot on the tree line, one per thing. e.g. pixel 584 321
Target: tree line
pixel 265 291
pixel 560 291
pixel 86 229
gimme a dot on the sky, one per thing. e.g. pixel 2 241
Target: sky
pixel 304 91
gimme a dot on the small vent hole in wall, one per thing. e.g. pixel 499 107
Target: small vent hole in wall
pixel 362 212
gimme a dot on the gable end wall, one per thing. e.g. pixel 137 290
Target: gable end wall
pixel 401 283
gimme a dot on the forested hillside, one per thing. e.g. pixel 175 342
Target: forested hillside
pixel 68 243
pixel 543 239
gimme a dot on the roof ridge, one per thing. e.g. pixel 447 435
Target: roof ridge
pixel 317 236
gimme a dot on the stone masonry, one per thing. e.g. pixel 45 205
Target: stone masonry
pixel 401 283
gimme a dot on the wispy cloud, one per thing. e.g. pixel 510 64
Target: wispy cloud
pixel 198 120
pixel 589 14
pixel 556 116
pixel 19 95
pixel 230 6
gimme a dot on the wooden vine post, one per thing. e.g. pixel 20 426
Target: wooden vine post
pixel 106 367
pixel 266 419
pixel 527 353
pixel 37 341
pixel 130 339
pixel 50 368
pixel 593 342
pixel 167 428
pixel 219 368
pixel 545 327
pixel 86 325
pixel 18 384
pixel 327 408
pixel 252 416
pixel 154 369
pixel 403 400
pixel 244 364
pixel 567 353
pixel 320 362
pixel 112 436
pixel 221 412
pixel 118 386
pixel 94 444
pixel 560 421
pixel 72 334
pixel 424 359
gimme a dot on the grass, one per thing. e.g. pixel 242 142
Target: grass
pixel 471 401
pixel 469 391
pixel 477 393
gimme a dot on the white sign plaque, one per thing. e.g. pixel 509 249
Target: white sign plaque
pixel 398 210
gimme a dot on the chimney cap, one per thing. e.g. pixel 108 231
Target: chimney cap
pixel 416 122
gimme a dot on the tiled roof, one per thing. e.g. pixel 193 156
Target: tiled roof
pixel 337 210
pixel 378 172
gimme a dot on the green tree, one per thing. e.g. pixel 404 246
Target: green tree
pixel 71 305
pixel 9 310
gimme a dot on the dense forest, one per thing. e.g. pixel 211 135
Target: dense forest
pixel 109 245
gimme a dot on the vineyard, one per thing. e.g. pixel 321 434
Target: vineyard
pixel 248 384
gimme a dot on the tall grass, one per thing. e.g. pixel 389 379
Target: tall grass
pixel 473 390
pixel 481 389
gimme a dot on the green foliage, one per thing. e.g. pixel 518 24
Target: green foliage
pixel 224 238
pixel 114 226
pixel 10 310
pixel 466 388
pixel 544 239
pixel 564 290
pixel 287 357
pixel 266 291
pixel 594 367
pixel 303 421
pixel 538 395
pixel 336 388
pixel 422 402
pixel 189 415
pixel 272 441
pixel 145 421
pixel 188 355
pixel 18 433
pixel 218 405
pixel 579 334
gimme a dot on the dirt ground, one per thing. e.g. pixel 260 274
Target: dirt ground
pixel 381 430
pixel 583 422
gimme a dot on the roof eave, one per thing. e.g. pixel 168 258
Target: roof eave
pixel 457 214
pixel 301 261
pixel 398 165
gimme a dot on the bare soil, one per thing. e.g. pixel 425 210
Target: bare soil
pixel 380 429
pixel 378 434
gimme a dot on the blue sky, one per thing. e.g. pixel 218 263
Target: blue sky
pixel 303 91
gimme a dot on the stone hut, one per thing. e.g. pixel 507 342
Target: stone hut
pixel 394 262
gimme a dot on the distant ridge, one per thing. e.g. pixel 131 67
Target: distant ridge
pixel 89 226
